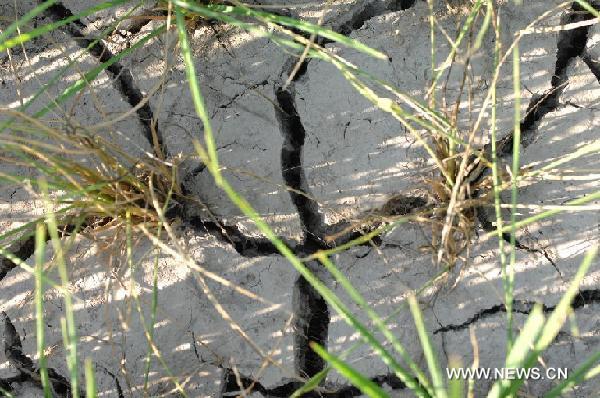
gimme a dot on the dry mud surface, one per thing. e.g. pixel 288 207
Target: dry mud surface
pixel 310 158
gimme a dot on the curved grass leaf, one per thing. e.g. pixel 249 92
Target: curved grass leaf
pixel 27 36
pixel 365 385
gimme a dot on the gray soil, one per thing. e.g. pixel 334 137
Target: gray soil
pixel 311 158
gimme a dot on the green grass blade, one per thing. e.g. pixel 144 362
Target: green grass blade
pixel 576 377
pixel 6 393
pixel 70 328
pixel 311 384
pixel 554 323
pixel 93 74
pixel 59 75
pixel 40 247
pixel 560 313
pixel 365 385
pixel 376 319
pixel 496 176
pixel 37 10
pixel 90 380
pixel 249 211
pixel 25 37
pixel 549 213
pixel 428 350
pixel 585 5
pixel 325 292
pixel 456 386
pixel 510 274
pixel 197 98
pixel 518 353
pixel 455 45
pixel 217 11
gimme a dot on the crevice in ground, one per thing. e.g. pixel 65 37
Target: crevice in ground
pixel 292 169
pixel 592 64
pixel 244 245
pixel 122 77
pixel 488 226
pixel 135 24
pixel 23 249
pixel 27 371
pixel 310 309
pixel 584 297
pixel 571 44
pixel 370 10
pixel 231 387
pixel 311 323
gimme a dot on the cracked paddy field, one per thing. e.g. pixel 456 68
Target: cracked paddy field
pixel 313 157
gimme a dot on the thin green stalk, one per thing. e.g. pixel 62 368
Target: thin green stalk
pixel 219 11
pixel 549 213
pixel 314 381
pixel 47 28
pixel 90 380
pixel 379 323
pixel 365 385
pixel 576 377
pixel 496 176
pixel 59 75
pixel 246 208
pixel 455 45
pixel 91 75
pixel 518 353
pixel 70 327
pixel 197 97
pixel 428 350
pixel 40 247
pixel 552 326
pixel 432 33
pixel 154 309
pixel 510 275
pixel 37 10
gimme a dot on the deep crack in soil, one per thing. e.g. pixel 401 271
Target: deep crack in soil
pixel 122 77
pixel 311 309
pixel 582 298
pixel 231 387
pixel 13 350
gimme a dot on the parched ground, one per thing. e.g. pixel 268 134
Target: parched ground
pixel 311 158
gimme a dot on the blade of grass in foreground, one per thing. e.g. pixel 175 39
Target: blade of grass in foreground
pixel 247 209
pixel 40 247
pixel 68 323
pixel 314 381
pixel 520 349
pixel 311 384
pixel 549 213
pixel 365 385
pixel 24 19
pixel 6 393
pixel 380 324
pixel 90 380
pixel 46 28
pixel 509 281
pixel 576 377
pixel 496 183
pixel 428 350
pixel 60 73
pixel 92 74
pixel 549 330
pixel 216 10
pixel 197 97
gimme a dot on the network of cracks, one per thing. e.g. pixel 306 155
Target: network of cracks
pixel 311 312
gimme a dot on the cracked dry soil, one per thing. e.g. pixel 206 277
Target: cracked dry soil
pixel 312 156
